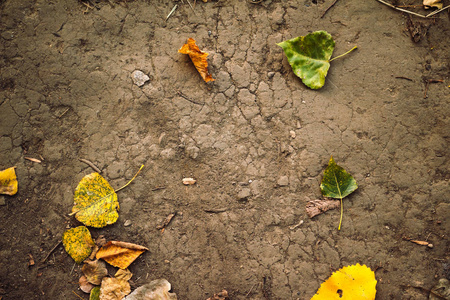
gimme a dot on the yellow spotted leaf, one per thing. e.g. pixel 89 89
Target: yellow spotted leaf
pixel 354 282
pixel 8 181
pixel 120 254
pixel 95 202
pixel 78 243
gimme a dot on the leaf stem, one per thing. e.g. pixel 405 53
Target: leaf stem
pixel 344 53
pixel 130 180
pixel 342 213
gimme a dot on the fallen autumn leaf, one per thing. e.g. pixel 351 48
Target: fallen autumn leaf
pixel 198 57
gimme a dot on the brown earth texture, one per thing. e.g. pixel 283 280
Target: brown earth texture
pixel 256 139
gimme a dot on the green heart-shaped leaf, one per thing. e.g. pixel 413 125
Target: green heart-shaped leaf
pixel 309 57
pixel 336 182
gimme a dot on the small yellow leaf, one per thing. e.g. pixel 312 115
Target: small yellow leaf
pixel 120 254
pixel 354 282
pixel 8 181
pixel 78 243
pixel 94 271
pixel 198 57
pixel 114 289
pixel 95 202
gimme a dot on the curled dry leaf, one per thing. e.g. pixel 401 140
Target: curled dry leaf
pixel 120 254
pixel 114 289
pixel 198 57
pixel 316 207
pixel 223 295
pixel 154 290
pixel 94 271
pixel 85 285
pixel 432 3
pixel 8 181
pixel 189 181
pixel 123 274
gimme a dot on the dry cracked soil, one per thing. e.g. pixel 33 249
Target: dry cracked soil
pixel 256 140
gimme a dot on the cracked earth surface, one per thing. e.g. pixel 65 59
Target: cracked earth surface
pixel 256 139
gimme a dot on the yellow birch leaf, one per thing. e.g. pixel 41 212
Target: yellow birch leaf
pixel 8 181
pixel 354 282
pixel 95 202
pixel 198 57
pixel 120 254
pixel 78 243
pixel 114 289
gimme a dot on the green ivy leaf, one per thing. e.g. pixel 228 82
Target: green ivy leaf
pixel 337 183
pixel 309 57
pixel 78 243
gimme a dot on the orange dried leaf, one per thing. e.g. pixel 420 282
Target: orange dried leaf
pixel 349 283
pixel 198 57
pixel 120 254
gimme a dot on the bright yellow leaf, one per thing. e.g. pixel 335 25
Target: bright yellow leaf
pixel 95 202
pixel 8 181
pixel 354 282
pixel 78 243
pixel 120 254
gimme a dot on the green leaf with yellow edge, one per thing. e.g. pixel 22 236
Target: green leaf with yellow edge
pixel 78 243
pixel 95 202
pixel 337 183
pixel 354 282
pixel 309 56
pixel 95 293
pixel 8 181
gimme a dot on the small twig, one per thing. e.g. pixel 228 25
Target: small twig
pixel 296 225
pixel 158 188
pixel 255 2
pixel 59 117
pixel 90 165
pixel 172 11
pixel 427 83
pixel 78 295
pixel 73 267
pixel 33 159
pixel 256 284
pixel 51 251
pixel 189 2
pixel 189 99
pixel 401 9
pixel 437 11
pixel 332 4
pixel 401 77
pixel 215 210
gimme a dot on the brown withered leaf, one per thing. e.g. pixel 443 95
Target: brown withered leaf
pixel 155 290
pixel 316 207
pixel 94 271
pixel 198 57
pixel 114 289
pixel 123 274
pixel 85 286
pixel 120 254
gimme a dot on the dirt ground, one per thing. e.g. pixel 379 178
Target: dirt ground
pixel 256 140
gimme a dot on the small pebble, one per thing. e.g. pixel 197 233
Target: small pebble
pixel 127 223
pixel 139 78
